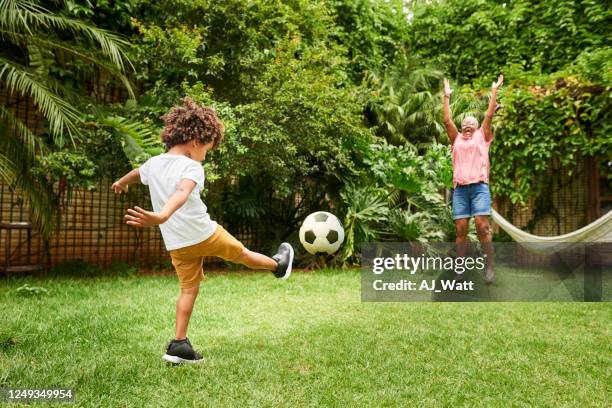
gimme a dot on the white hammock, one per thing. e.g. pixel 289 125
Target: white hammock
pixel 598 231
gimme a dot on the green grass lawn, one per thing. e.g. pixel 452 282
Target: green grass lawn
pixel 308 341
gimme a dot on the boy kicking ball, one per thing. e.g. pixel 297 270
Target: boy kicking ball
pixel 175 181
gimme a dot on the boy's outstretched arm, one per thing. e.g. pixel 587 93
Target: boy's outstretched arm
pixel 121 185
pixel 138 217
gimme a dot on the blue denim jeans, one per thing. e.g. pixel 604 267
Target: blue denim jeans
pixel 470 200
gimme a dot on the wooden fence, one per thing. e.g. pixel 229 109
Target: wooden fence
pixel 90 228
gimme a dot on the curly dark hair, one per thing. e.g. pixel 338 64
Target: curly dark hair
pixel 191 122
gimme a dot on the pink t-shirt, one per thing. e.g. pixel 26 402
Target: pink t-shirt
pixel 470 159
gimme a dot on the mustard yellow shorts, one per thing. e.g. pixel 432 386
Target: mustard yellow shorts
pixel 188 261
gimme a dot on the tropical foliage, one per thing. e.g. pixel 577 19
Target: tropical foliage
pixel 403 199
pixel 43 55
pixel 474 40
pixel 551 122
pixel 405 104
pixel 328 104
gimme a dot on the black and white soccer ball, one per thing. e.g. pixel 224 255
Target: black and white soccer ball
pixel 321 233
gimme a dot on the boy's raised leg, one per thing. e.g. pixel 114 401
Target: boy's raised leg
pixel 255 260
pixel 280 264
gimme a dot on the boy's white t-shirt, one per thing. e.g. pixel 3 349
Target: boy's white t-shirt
pixel 191 223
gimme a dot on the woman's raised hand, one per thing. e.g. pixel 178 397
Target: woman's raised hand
pixel 447 88
pixel 500 81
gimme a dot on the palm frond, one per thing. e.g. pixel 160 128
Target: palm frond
pixel 415 227
pixel 62 116
pixel 366 210
pixel 137 138
pixel 407 95
pixel 39 34
pixel 40 59
pixel 7 169
pixel 38 43
pixel 14 170
pixel 14 127
pixel 25 16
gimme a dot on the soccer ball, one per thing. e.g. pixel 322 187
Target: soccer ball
pixel 321 232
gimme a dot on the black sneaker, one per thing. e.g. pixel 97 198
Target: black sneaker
pixel 284 258
pixel 181 351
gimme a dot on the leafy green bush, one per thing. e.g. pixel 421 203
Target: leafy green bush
pixel 366 210
pixel 373 32
pixel 402 200
pixel 474 40
pixel 547 124
pixel 409 226
pixel 72 167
